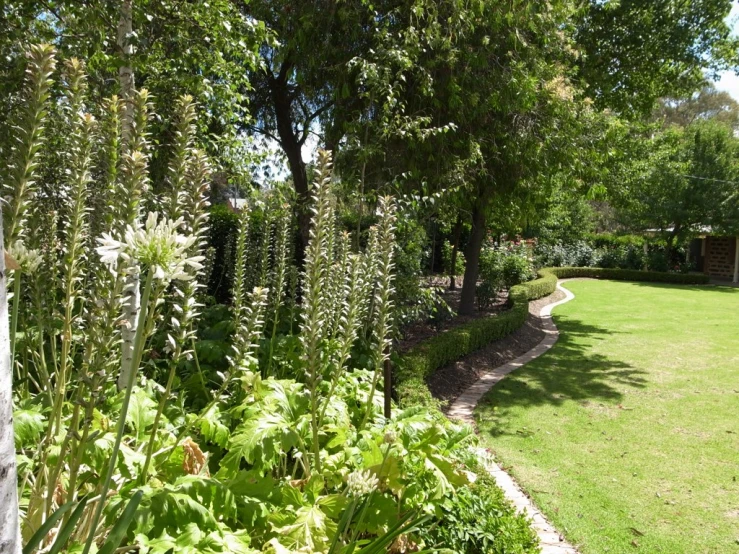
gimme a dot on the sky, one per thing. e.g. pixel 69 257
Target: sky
pixel 729 80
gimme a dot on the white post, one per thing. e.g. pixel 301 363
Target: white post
pixel 10 536
pixel 736 261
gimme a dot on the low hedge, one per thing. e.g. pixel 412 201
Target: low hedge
pixel 626 275
pixel 449 346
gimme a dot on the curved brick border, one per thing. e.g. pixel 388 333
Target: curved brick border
pixel 552 542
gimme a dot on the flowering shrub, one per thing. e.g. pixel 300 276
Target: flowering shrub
pixel 611 253
pixel 502 267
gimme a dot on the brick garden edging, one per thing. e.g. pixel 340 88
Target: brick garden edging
pixel 551 540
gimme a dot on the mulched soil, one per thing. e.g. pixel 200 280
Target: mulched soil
pixel 447 383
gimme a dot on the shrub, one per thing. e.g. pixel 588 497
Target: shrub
pixel 413 301
pixel 478 520
pixel 610 258
pixel 516 269
pixel 634 258
pixel 609 240
pixel 551 255
pixel 657 260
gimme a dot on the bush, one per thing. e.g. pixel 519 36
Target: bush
pixel 608 240
pixel 413 301
pixel 516 270
pixel 551 255
pixel 501 267
pixel 634 258
pixel 426 357
pixel 610 258
pixel 657 260
pixel 478 520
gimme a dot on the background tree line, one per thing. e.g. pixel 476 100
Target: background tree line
pixel 493 109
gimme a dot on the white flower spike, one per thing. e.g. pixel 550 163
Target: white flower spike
pixel 360 483
pixel 28 258
pixel 157 245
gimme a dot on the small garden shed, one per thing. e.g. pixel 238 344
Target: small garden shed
pixel 719 257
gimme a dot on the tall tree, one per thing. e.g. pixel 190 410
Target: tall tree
pixel 634 52
pixel 682 182
pixel 708 103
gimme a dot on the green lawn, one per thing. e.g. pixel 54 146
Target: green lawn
pixel 626 433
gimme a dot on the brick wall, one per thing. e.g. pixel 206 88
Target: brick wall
pixel 720 252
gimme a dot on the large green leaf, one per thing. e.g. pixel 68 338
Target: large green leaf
pixel 28 425
pixel 310 530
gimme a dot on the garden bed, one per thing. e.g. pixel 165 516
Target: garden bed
pixel 449 382
pixel 423 330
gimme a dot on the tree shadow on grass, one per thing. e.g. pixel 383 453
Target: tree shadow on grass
pixel 569 371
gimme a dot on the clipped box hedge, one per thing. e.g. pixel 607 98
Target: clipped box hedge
pixel 449 346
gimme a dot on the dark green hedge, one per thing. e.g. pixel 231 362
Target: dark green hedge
pixel 423 359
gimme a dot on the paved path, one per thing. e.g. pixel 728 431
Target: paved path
pixel 552 542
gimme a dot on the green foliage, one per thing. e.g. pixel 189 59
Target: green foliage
pixel 578 254
pixel 614 252
pixel 491 278
pixel 502 267
pixel 662 48
pixel 221 238
pixel 446 254
pixel 708 103
pixel 479 521
pixel 681 182
pixel 179 48
pixel 566 218
pixel 440 350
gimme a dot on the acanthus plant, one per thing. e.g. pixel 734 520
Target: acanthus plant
pixel 115 446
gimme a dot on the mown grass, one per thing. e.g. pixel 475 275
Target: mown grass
pixel 626 433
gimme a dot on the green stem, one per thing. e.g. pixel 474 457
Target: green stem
pixel 158 417
pixel 137 352
pixel 314 426
pixel 79 452
pixel 272 342
pixel 197 366
pixel 375 380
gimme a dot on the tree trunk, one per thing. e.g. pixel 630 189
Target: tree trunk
pixel 670 241
pixel 455 248
pixel 293 150
pixel 10 536
pixel 472 259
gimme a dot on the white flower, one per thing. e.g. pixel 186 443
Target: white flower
pixel 157 245
pixel 28 258
pixel 360 483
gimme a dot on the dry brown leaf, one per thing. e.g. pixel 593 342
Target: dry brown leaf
pixel 195 460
